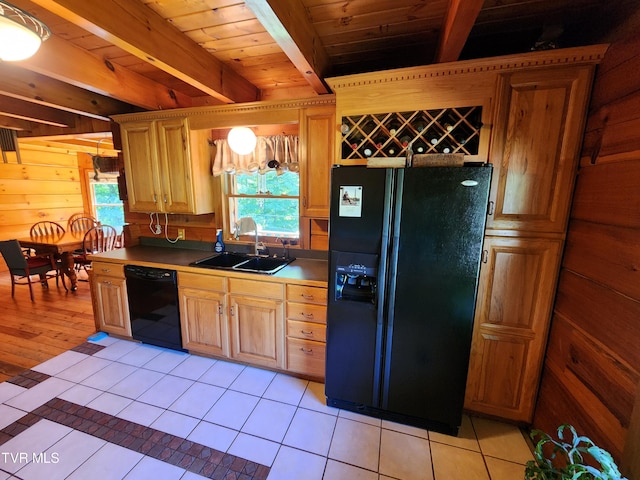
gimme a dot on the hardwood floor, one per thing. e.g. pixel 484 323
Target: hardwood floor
pixel 32 332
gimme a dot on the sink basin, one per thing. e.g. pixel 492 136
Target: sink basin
pixel 222 260
pixel 267 265
pixel 243 263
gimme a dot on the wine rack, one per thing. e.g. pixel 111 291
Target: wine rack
pixel 448 130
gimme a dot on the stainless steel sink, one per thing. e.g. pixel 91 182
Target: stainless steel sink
pixel 221 260
pixel 268 265
pixel 243 263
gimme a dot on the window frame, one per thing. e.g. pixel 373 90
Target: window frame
pixel 110 178
pixel 231 216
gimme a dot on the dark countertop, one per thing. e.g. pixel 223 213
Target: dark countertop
pixel 306 270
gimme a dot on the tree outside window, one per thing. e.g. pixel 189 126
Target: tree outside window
pixel 107 205
pixel 272 200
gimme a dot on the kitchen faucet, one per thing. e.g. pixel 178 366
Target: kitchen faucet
pixel 246 225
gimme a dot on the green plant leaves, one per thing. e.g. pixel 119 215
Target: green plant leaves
pixel 564 459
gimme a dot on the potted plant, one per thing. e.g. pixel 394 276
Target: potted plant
pixel 571 457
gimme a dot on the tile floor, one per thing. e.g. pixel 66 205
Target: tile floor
pixel 115 409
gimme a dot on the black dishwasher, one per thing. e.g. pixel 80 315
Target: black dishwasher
pixel 153 306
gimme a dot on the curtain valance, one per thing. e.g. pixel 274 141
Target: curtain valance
pixel 281 148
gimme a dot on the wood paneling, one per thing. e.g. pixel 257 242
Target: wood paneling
pixel 45 186
pixel 592 369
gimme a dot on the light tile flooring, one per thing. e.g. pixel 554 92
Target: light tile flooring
pixel 272 419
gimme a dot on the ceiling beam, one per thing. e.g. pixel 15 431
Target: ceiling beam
pixel 137 29
pixel 289 25
pixel 33 87
pixel 68 63
pixel 12 107
pixel 82 126
pixel 457 25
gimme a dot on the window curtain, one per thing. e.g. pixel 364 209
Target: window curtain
pixel 281 148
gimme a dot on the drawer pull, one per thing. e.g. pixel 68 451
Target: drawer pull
pixel 106 270
pixel 308 333
pixel 307 315
pixel 307 351
pixel 306 296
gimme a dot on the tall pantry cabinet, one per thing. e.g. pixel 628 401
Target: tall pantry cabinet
pixel 536 139
pixel 533 114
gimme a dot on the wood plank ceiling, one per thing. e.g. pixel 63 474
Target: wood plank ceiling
pixel 116 56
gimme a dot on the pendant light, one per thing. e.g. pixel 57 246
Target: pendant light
pixel 21 34
pixel 242 140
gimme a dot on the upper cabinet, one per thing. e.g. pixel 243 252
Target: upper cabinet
pixel 316 150
pixel 540 117
pixel 167 167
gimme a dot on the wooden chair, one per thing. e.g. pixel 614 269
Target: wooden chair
pixel 41 229
pixel 81 223
pixel 101 238
pixel 22 268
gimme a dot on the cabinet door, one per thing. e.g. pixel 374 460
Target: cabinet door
pixel 139 152
pixel 175 166
pixel 257 330
pixel 203 321
pixel 515 298
pixel 111 305
pixel 317 150
pixel 535 147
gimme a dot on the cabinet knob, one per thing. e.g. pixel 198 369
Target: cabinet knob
pixel 231 311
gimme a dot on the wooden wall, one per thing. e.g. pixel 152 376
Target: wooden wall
pixel 47 185
pixel 592 368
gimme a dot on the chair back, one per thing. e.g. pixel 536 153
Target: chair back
pixel 82 224
pixel 44 228
pixel 13 256
pixel 101 238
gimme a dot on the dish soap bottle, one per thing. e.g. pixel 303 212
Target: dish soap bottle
pixel 219 245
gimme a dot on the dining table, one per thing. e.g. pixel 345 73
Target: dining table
pixel 62 246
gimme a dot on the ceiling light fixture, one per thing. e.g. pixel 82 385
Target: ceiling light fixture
pixel 21 34
pixel 242 140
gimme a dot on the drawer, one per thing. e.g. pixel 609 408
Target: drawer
pixel 307 312
pixel 306 356
pixel 307 330
pixel 304 294
pixel 206 282
pixel 105 268
pixel 255 288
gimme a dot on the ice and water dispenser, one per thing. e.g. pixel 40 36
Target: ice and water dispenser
pixel 356 277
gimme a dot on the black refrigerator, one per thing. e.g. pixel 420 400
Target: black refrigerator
pixel 405 247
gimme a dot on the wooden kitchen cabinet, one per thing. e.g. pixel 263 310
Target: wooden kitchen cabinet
pixel 110 304
pixel 515 300
pixel 167 167
pixel 316 149
pixel 256 320
pixel 540 117
pixel 306 330
pixel 203 313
